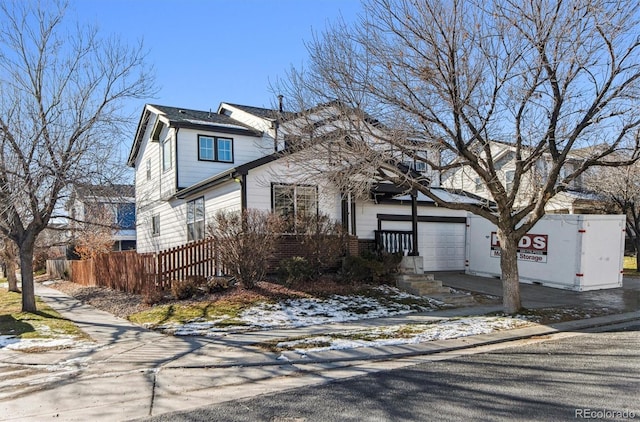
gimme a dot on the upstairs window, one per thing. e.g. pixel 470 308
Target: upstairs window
pixel 479 184
pixel 148 169
pixel 509 176
pixel 416 165
pixel 167 161
pixel 214 148
pixel 195 219
pixel 294 203
pixel 126 216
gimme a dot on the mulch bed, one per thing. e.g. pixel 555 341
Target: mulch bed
pixel 124 304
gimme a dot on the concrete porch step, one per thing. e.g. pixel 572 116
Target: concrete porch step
pixel 426 285
pixel 416 277
pixel 420 284
pixel 422 289
pixel 454 299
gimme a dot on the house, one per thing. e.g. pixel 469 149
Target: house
pixel 110 207
pixel 190 164
pixel 575 199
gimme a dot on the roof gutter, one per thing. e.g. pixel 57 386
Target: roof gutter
pixel 206 184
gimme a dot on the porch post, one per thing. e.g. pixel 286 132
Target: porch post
pixel 414 222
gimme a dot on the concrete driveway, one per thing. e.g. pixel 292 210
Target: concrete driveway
pixel 624 299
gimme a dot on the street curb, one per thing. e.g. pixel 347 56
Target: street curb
pixel 424 349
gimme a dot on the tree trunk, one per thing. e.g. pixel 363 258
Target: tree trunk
pixel 10 265
pixel 510 278
pixel 9 259
pixel 636 243
pixel 26 269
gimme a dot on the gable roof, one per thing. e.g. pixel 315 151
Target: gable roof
pixel 104 191
pixel 198 119
pixel 265 113
pixel 179 117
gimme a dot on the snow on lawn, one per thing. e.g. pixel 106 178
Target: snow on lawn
pixel 402 334
pixel 310 311
pixel 60 342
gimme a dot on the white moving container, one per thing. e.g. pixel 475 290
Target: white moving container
pixel 569 251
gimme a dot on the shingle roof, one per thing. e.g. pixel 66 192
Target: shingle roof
pixel 105 191
pixel 265 113
pixel 188 117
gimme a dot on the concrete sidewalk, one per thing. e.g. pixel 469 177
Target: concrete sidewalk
pixel 131 372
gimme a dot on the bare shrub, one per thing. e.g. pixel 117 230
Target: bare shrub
pixel 151 296
pixel 95 237
pixel 183 289
pixel 216 284
pixel 248 241
pixel 324 241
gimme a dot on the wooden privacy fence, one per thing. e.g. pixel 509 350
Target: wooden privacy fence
pixel 195 259
pixel 58 268
pixel 126 271
pixel 82 272
pixel 129 271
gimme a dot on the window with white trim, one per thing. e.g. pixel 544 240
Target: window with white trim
pixel 167 161
pixel 416 165
pixel 215 148
pixel 195 219
pixel 509 176
pixel 148 169
pixel 155 225
pixel 479 184
pixel 294 203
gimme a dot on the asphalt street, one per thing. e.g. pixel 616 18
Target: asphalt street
pixel 594 376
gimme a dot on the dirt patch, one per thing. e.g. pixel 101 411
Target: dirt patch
pixel 117 303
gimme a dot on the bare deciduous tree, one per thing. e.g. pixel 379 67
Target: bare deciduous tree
pixel 96 235
pixel 8 258
pixel 621 186
pixel 62 89
pixel 546 77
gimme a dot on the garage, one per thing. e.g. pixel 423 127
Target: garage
pixel 441 240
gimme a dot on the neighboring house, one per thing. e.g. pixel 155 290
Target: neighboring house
pixel 191 164
pixel 111 207
pixel 574 200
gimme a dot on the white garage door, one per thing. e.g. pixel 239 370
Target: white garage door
pixel 442 245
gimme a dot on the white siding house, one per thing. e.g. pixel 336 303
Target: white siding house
pixel 191 164
pixel 574 200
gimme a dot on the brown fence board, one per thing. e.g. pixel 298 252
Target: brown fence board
pixel 129 271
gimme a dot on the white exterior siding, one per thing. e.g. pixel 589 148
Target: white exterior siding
pixel 191 170
pixel 222 198
pixel 442 245
pixel 173 231
pixel 173 217
pixel 259 183
pixel 263 125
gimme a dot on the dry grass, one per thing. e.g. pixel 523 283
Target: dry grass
pixel 45 323
pixel 229 302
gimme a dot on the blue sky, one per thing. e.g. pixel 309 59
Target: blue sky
pixel 208 51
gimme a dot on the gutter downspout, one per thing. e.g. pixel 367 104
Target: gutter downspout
pixel 177 172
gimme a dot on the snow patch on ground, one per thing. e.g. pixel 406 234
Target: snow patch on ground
pixel 390 336
pixel 20 344
pixel 291 313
